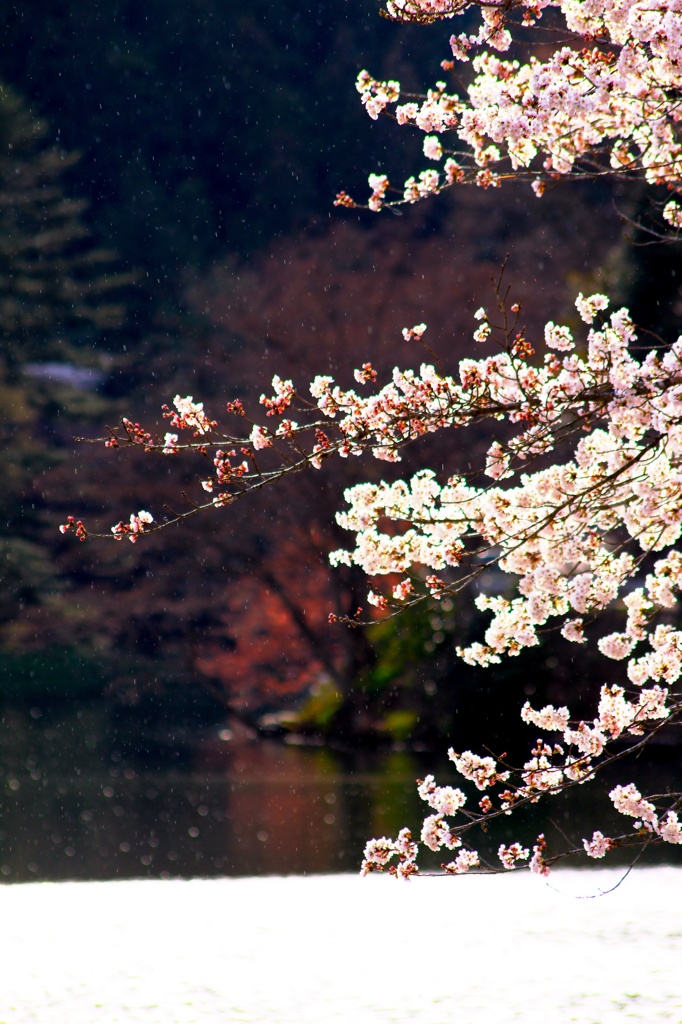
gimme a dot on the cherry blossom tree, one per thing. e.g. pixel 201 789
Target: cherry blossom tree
pixel 579 497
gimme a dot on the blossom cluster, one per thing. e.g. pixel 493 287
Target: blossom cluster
pixel 549 530
pixel 76 525
pixel 550 770
pixel 188 415
pixel 380 852
pixel 601 102
pixel 137 525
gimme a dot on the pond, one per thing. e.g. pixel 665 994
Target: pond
pixel 142 834
pixel 80 800
pixel 338 949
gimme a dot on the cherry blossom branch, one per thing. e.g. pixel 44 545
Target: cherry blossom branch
pixel 582 506
pixel 608 104
pixel 539 778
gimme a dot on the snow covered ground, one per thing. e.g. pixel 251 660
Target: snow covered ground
pixel 325 949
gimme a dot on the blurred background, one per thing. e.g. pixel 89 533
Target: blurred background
pixel 167 177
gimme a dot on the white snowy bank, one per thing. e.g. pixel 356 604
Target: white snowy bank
pixel 342 949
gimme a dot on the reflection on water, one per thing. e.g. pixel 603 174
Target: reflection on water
pixel 72 805
pixel 75 802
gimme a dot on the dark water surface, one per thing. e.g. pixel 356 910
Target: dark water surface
pixel 78 802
